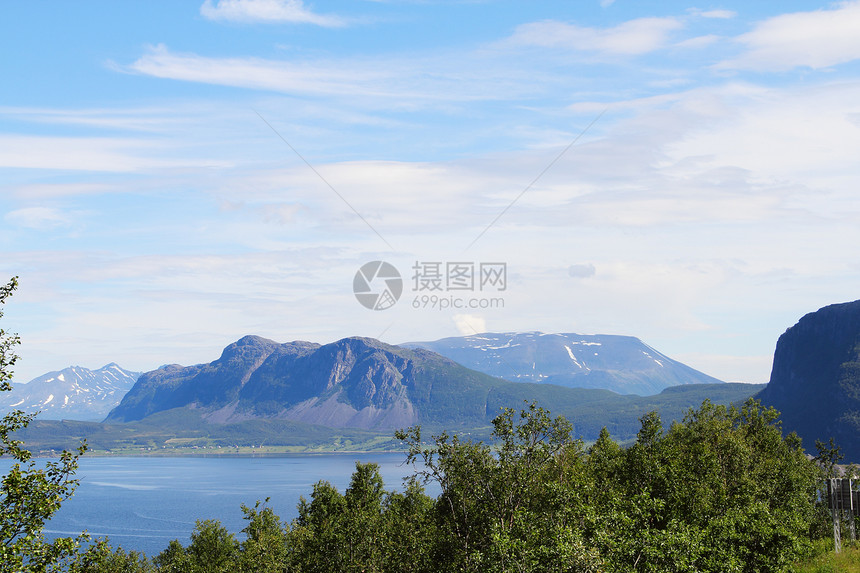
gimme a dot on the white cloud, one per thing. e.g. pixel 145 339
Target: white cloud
pixel 803 136
pixel 375 82
pixel 48 190
pixel 255 73
pixel 40 218
pixel 818 39
pixel 634 104
pixel 469 324
pixel 118 155
pixel 136 119
pixel 719 14
pixel 634 37
pixel 581 271
pixel 699 42
pixel 293 11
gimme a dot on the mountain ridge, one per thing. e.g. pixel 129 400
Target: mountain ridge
pixel 72 393
pixel 354 382
pixel 370 385
pixel 623 364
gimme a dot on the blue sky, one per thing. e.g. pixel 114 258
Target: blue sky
pixel 157 202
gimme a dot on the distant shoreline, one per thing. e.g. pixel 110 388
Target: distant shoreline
pixel 233 453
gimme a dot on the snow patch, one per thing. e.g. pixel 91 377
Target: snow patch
pixel 51 397
pixel 572 357
pixel 61 378
pixel 506 345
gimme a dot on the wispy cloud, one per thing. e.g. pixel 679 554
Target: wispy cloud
pixel 408 80
pixel 256 73
pixel 118 155
pixel 272 11
pixel 40 218
pixel 631 38
pixel 816 39
pixel 719 14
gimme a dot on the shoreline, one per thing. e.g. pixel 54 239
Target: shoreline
pixel 240 453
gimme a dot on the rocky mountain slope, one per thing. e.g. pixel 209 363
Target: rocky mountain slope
pixel 623 364
pixel 354 382
pixel 74 393
pixel 363 383
pixel 815 381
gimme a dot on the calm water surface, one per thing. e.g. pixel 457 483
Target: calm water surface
pixel 141 503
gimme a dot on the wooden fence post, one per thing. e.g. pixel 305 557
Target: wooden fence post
pixel 852 511
pixel 834 504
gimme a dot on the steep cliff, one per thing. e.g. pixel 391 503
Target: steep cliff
pixel 815 381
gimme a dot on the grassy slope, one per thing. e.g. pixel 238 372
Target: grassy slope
pixel 825 560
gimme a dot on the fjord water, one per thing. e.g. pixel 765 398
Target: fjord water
pixel 141 503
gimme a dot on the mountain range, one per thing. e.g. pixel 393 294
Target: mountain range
pixel 72 393
pixel 356 390
pixel 366 384
pixel 354 382
pixel 623 364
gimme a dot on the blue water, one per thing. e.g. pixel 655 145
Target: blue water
pixel 141 503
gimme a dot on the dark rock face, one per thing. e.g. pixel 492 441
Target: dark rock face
pixel 815 381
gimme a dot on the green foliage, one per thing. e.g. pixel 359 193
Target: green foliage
pixel 720 491
pixel 266 548
pixel 213 549
pixel 101 558
pixel 514 508
pixel 30 495
pixel 364 529
pixel 828 456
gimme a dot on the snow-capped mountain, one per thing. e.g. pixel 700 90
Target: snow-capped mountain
pixel 74 393
pixel 623 364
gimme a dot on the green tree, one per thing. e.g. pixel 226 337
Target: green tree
pixel 30 495
pixel 828 457
pixel 265 549
pixel 408 529
pixel 363 519
pixel 518 506
pixel 101 558
pixel 722 491
pixel 317 538
pixel 213 549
